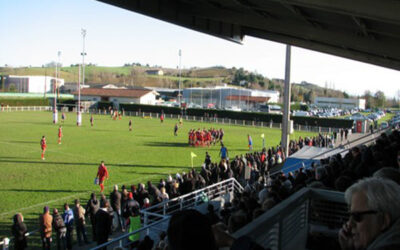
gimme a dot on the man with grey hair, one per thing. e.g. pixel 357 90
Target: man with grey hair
pixel 115 200
pixel 374 222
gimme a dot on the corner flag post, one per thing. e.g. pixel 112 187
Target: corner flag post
pixel 263 140
pixel 191 156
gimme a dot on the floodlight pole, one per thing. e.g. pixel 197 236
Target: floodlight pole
pixel 58 74
pixel 286 110
pixel 180 73
pixel 79 115
pixel 55 114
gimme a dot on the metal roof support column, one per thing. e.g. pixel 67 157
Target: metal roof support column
pixel 286 103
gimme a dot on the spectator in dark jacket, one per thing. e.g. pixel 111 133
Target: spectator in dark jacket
pixel 115 199
pixel 61 230
pixel 19 230
pixel 92 207
pixel 103 224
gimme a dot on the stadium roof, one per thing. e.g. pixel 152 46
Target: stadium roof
pixel 129 93
pixel 363 30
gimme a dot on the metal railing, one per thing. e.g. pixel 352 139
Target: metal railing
pixel 6 242
pixel 25 108
pixel 226 121
pixel 287 225
pixel 193 199
pixel 156 218
pixel 121 240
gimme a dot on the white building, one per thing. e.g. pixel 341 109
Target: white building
pixel 342 103
pixel 157 72
pixel 30 84
pixel 228 97
pixel 117 96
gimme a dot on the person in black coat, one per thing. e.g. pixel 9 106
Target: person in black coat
pixel 103 222
pixel 115 200
pixel 19 230
pixel 92 207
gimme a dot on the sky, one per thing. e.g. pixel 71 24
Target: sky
pixel 34 31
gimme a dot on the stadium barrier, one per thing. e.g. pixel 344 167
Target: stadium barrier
pixel 156 218
pixel 225 121
pixel 25 108
pixel 6 242
pixel 288 224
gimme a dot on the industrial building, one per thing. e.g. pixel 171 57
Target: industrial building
pixel 29 84
pixel 341 103
pixel 226 97
pixel 117 96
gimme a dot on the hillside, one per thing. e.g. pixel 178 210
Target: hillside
pixel 135 75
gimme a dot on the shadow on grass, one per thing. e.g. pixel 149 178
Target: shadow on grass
pixel 167 144
pixel 43 190
pixel 90 164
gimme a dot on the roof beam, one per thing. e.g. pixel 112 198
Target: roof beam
pixel 382 10
pixel 384 61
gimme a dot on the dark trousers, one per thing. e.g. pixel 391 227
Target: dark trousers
pixel 119 218
pixel 46 243
pixel 93 230
pixel 81 233
pixel 70 231
pixel 101 240
pixel 61 239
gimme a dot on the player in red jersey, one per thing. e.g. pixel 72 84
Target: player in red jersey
pixel 43 146
pixel 60 134
pixel 162 117
pixel 91 120
pixel 102 174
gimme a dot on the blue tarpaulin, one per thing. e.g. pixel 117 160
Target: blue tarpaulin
pixel 305 156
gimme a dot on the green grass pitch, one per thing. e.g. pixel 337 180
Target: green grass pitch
pixel 149 152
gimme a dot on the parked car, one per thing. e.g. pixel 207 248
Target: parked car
pixel 384 125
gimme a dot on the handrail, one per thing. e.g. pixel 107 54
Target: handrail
pixel 286 225
pixel 3 242
pixel 123 236
pixel 193 193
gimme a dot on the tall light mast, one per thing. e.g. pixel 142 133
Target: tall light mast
pixel 180 73
pixel 83 54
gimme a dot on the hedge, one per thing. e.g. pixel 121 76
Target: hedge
pixel 25 101
pixel 251 116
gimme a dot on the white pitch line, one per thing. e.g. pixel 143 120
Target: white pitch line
pixel 68 197
pixel 47 150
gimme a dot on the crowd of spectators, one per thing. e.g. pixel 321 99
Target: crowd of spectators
pixel 262 191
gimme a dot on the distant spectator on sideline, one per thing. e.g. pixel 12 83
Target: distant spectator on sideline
pixel 374 215
pixel 68 217
pixel 19 230
pixel 79 215
pixel 45 222
pixel 61 230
